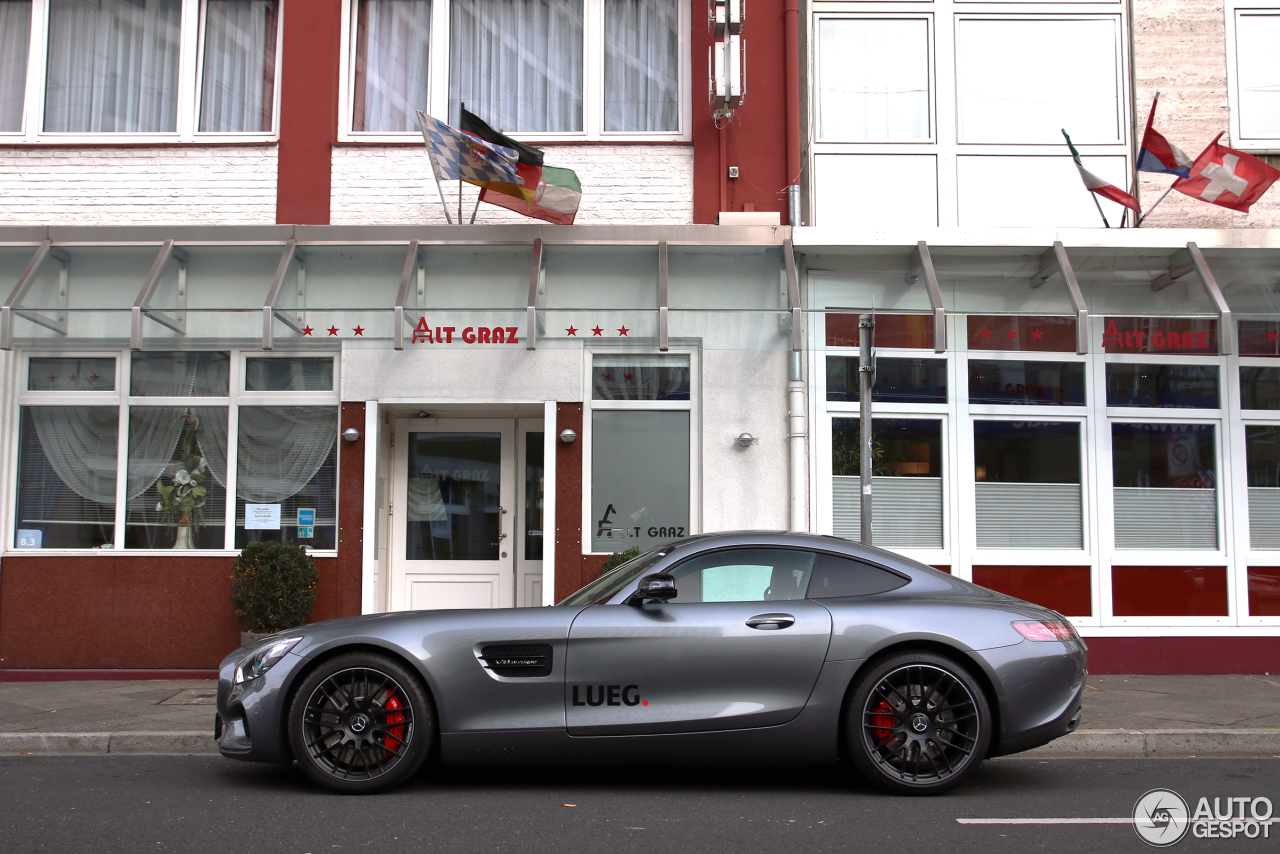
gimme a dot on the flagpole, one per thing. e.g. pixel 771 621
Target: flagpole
pixel 459 201
pixel 1153 207
pixel 1098 205
pixel 475 209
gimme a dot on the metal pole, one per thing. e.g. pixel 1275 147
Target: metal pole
pixel 1153 207
pixel 866 331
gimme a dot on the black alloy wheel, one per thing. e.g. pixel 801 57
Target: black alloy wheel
pixel 361 723
pixel 918 723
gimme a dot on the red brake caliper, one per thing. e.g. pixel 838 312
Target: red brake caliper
pixel 395 734
pixel 882 725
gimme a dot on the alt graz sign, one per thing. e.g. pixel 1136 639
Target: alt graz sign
pixel 1170 335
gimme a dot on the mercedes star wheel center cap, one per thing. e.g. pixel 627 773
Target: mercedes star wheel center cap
pixel 359 723
pixel 920 722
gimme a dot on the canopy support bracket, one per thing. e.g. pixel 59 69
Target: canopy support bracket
pixel 664 329
pixel 292 318
pixel 12 306
pixel 793 294
pixel 921 263
pixel 1226 328
pixel 142 305
pixel 413 260
pixel 536 273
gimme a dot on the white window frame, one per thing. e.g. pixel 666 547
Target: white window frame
pixel 1241 419
pixel 190 76
pixel 123 401
pixel 1233 12
pixel 695 430
pixel 592 82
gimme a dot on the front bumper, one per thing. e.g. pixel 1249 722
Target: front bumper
pixel 251 719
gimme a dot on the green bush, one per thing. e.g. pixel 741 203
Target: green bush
pixel 617 559
pixel 274 586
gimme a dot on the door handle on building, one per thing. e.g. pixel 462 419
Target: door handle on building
pixel 771 622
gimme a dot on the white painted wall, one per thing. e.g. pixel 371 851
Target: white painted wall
pixel 621 185
pixel 473 374
pixel 178 185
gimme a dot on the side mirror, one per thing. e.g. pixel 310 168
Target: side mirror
pixel 660 586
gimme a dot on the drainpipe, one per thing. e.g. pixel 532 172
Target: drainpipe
pixel 796 435
pixel 791 18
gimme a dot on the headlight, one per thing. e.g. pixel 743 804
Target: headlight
pixel 263 658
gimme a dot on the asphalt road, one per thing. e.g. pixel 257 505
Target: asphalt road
pixel 208 804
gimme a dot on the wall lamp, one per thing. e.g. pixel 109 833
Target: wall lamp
pixel 351 434
pixel 746 440
pixel 568 436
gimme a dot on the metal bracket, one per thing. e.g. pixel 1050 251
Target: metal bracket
pixel 1226 328
pixel 12 307
pixel 142 305
pixel 793 294
pixel 412 260
pixel 664 329
pixel 1180 265
pixel 1054 262
pixel 536 272
pixel 292 318
pixel 921 263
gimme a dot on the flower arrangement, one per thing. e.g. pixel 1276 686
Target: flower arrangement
pixel 182 499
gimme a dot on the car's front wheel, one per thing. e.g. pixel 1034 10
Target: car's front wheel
pixel 361 723
pixel 917 723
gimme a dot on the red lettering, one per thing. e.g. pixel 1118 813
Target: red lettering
pixel 421 332
pixel 1008 389
pixel 499 337
pixel 1157 340
pixel 1171 341
pixel 1138 335
pixel 1022 390
pixel 1188 340
pixel 511 334
pixel 1112 338
pixel 482 335
pixel 448 331
pixel 469 335
pixel 1202 340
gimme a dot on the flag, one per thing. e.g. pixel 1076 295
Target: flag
pixel 455 155
pixel 557 198
pixel 528 161
pixel 1228 178
pixel 1159 154
pixel 1099 187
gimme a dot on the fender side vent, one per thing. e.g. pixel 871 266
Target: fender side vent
pixel 518 660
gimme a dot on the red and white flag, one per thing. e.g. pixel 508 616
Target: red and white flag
pixel 1228 178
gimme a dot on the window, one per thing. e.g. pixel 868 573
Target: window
pixel 896 380
pixel 639 378
pixel 874 79
pixel 118 68
pixel 1028 485
pixel 1254 76
pixel 744 575
pixel 564 68
pixel 906 481
pixel 1168 386
pixel 1012 381
pixel 1262 458
pixel 834 577
pixel 1259 387
pixel 67 477
pixel 1165 486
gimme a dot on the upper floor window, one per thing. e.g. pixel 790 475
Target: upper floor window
pixel 123 67
pixel 571 68
pixel 1253 68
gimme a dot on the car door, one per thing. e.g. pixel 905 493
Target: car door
pixel 739 646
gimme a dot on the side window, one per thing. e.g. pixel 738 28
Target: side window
pixel 744 575
pixel 839 576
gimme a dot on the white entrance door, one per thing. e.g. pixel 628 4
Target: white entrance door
pixel 452 516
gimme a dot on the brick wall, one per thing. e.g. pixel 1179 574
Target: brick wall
pixel 180 185
pixel 621 184
pixel 1180 49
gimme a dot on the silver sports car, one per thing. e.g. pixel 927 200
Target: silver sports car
pixel 742 647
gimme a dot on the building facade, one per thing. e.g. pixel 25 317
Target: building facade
pixel 230 267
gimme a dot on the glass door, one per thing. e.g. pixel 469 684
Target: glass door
pixel 452 515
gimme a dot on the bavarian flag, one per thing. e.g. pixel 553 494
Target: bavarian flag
pixel 548 193
pixel 1099 187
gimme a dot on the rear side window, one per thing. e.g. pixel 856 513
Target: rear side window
pixel 839 576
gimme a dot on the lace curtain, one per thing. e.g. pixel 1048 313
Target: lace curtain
pixel 113 66
pixel 641 65
pixel 393 41
pixel 237 92
pixel 271 470
pixel 15 39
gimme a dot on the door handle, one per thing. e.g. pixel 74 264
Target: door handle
pixel 771 622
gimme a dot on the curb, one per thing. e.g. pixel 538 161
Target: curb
pixel 1128 743
pixel 90 743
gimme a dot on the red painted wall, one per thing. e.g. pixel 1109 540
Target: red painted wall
pixel 1184 655
pixel 308 110
pixel 757 138
pixel 350 569
pixel 573 568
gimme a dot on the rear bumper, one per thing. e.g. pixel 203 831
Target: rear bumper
pixel 1041 686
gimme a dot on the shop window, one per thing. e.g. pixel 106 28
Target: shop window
pixel 1262 458
pixel 1259 338
pixel 1264 591
pixel 904 331
pixel 744 575
pixel 287 462
pixel 1259 388
pixel 896 380
pixel 640 378
pixel 177 473
pixel 874 80
pixel 1026 383
pixel 66 487
pixel 392 64
pixel 1163 386
pixel 906 493
pixel 1169 591
pixel 71 374
pixel 1028 485
pixel 179 374
pixel 1065 589
pixel 533 481
pixel 1025 334
pixel 288 374
pixel 1165 486
pixel 639 478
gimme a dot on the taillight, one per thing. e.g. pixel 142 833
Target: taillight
pixel 1045 630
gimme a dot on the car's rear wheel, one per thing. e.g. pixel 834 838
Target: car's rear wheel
pixel 917 723
pixel 361 723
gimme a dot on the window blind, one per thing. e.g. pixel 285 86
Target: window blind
pixel 1030 516
pixel 906 511
pixel 1150 517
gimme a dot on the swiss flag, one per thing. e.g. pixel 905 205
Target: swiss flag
pixel 1228 178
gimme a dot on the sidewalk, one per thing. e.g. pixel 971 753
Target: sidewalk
pixel 1123 716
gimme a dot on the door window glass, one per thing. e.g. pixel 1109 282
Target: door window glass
pixel 453 509
pixel 839 576
pixel 744 575
pixel 640 378
pixel 533 474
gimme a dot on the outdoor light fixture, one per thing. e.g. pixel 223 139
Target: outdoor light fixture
pixel 351 434
pixel 746 440
pixel 567 436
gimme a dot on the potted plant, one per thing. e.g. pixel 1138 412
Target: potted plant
pixel 274 587
pixel 617 559
pixel 182 499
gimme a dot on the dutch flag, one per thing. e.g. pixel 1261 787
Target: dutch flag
pixel 1159 154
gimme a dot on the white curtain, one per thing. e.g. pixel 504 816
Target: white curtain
pixel 113 66
pixel 280 450
pixel 517 64
pixel 873 79
pixel 15 38
pixel 641 65
pixel 80 444
pixel 237 92
pixel 393 42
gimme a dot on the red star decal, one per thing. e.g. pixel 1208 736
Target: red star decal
pixel 359 330
pixel 52 378
pixel 597 331
pixel 94 378
pixel 622 330
pixel 1037 334
pixel 1271 336
pixel 572 330
pixel 608 376
pixel 307 330
pixel 1012 333
pixel 333 330
pixel 73 378
pixel 627 377
pixel 986 333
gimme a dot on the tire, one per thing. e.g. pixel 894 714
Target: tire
pixel 917 723
pixel 361 723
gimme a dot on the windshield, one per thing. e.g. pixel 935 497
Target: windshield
pixel 606 586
